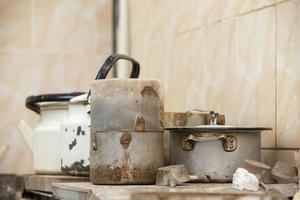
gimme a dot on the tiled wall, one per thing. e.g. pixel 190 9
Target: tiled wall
pixel 238 57
pixel 46 46
pixel 241 58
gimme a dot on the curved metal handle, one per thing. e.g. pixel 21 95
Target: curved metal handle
pixel 31 102
pixel 205 138
pixel 111 60
pixel 229 141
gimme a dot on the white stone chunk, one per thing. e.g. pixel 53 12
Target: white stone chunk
pixel 244 180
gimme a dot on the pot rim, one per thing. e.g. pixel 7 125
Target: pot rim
pixel 218 128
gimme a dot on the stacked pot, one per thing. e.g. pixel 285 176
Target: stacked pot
pixel 126 133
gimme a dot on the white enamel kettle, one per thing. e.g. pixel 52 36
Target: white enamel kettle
pixel 45 139
pixel 75 131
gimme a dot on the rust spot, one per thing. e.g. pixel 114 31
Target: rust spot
pixel 140 123
pixel 161 123
pixel 73 144
pixel 220 119
pixel 109 174
pixel 181 119
pixel 125 140
pixel 94 143
pixel 77 168
pixel 148 91
pixel 78 130
pixel 207 177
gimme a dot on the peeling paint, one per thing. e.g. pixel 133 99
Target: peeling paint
pixel 73 144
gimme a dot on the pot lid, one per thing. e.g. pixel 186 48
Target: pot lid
pixel 218 128
pixel 80 99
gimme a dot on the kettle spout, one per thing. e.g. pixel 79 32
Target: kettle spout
pixel 27 133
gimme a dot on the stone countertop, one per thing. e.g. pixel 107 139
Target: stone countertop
pixel 86 190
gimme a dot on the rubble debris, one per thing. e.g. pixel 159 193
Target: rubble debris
pixel 244 180
pixel 297 161
pixel 259 169
pixel 173 175
pixel 297 196
pixel 284 173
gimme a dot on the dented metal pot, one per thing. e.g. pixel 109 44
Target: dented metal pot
pixel 125 157
pixel 126 133
pixel 213 153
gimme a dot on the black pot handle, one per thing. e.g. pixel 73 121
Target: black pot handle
pixel 32 101
pixel 111 60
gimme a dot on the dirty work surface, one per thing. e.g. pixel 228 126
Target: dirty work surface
pixel 44 182
pixel 88 191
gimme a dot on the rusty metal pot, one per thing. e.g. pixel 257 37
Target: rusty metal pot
pixel 126 134
pixel 125 157
pixel 213 153
pixel 192 118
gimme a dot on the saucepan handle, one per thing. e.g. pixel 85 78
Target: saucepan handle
pixel 191 137
pixel 229 141
pixel 109 63
pixel 111 60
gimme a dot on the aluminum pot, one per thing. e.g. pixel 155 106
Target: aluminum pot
pixel 185 119
pixel 126 157
pixel 126 134
pixel 213 153
pixel 45 139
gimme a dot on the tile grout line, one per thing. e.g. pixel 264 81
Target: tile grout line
pixel 32 24
pixel 169 37
pixel 280 149
pixel 276 93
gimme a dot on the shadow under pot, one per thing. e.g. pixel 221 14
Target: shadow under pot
pixel 126 134
pixel 213 153
pixel 45 139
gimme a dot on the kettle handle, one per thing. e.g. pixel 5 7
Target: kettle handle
pixel 111 60
pixel 32 102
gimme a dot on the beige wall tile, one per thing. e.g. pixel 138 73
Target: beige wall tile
pixel 257 64
pixel 288 74
pixel 81 70
pixel 15 24
pixel 71 39
pixel 237 7
pixel 270 157
pixel 222 67
pixel 72 26
pixel 12 67
pixel 21 75
pixel 154 20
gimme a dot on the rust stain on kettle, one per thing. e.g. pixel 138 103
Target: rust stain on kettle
pixel 73 144
pixel 77 168
pixel 125 140
pixel 78 130
pixel 139 123
pixel 148 91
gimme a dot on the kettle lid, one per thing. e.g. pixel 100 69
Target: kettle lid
pixel 80 99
